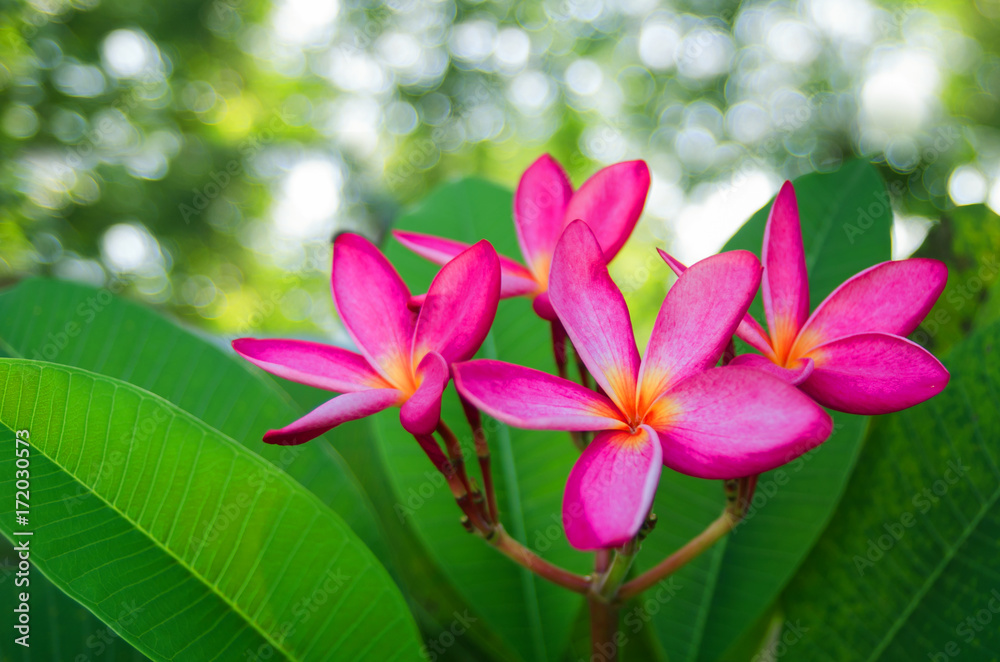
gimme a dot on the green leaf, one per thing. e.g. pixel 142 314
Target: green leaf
pixel 723 593
pixel 71 632
pixel 90 328
pixel 531 467
pixel 909 562
pixel 189 545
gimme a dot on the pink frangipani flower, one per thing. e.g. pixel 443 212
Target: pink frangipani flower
pixel 669 408
pixel 850 354
pixel 405 357
pixel 611 202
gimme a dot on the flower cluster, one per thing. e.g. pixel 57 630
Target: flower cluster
pixel 672 406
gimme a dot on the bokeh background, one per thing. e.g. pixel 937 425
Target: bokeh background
pixel 202 154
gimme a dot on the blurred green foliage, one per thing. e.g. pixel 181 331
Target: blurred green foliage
pixel 206 151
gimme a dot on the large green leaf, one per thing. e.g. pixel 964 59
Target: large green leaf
pixel 726 591
pixel 531 467
pixel 909 568
pixel 189 545
pixel 71 632
pixel 90 328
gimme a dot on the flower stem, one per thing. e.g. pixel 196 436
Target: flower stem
pixel 458 488
pixel 739 492
pixel 483 454
pixel 481 518
pixel 720 527
pixel 521 555
pixel 606 584
pixel 603 614
pixel 455 455
pixel 481 522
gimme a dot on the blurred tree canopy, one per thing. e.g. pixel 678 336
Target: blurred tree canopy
pixel 205 152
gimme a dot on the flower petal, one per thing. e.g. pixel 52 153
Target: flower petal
pixel 610 202
pixel 786 285
pixel 516 279
pixel 416 301
pixel 749 330
pixel 372 301
pixel 793 376
pixel 330 414
pixel 543 307
pixel 696 321
pixel 891 297
pixel 460 306
pixel 611 488
pixel 532 399
pixel 311 363
pixel 422 410
pixel 539 209
pixel 593 311
pixel 736 421
pixel 873 373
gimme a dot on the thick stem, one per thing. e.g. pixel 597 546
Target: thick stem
pixel 603 614
pixel 521 555
pixel 716 530
pixel 607 583
pixel 603 630
pixel 483 454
